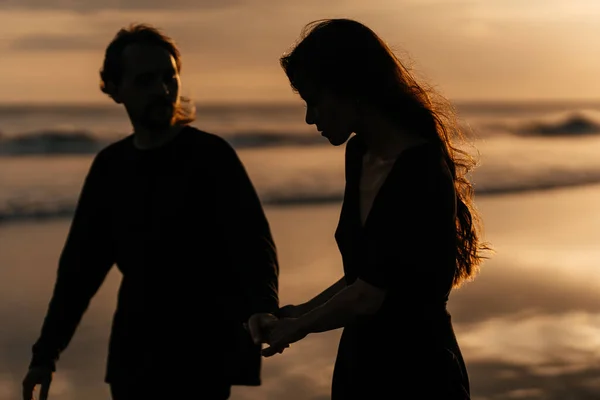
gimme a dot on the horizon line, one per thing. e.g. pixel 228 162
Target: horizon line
pixel 277 103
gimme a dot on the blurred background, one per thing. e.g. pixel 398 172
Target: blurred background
pixel 523 76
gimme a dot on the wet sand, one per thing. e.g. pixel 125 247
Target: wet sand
pixel 529 325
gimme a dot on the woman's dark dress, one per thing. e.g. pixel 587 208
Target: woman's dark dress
pixel 407 350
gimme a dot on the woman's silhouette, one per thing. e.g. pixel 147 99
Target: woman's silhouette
pixel 407 232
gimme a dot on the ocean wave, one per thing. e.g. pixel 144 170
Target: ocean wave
pixel 36 212
pixel 252 139
pixel 538 183
pixel 575 124
pixel 68 141
pixel 564 125
pixel 65 208
pixel 55 142
pixel 49 210
pixel 63 142
pixel 38 188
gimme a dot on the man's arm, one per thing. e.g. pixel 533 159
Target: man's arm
pixel 251 242
pixel 83 265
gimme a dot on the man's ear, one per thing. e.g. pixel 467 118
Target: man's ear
pixel 113 91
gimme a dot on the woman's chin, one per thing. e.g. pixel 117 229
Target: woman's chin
pixel 335 140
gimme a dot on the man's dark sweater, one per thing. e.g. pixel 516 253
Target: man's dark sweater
pixel 185 227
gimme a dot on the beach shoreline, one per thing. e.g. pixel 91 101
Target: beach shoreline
pixel 532 313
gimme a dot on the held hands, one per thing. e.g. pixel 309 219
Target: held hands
pixel 278 333
pixel 284 332
pixel 260 325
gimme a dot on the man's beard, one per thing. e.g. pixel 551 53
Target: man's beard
pixel 158 115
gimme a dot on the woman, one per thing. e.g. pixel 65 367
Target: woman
pixel 407 232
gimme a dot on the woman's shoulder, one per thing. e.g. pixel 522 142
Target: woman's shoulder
pixel 355 146
pixel 426 165
pixel 425 156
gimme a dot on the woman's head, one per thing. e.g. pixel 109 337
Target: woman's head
pixel 340 68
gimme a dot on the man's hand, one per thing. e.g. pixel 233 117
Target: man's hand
pixel 260 326
pixel 37 376
pixel 284 332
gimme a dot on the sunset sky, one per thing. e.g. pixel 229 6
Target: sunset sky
pixel 471 49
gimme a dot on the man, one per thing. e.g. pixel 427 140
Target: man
pixel 174 209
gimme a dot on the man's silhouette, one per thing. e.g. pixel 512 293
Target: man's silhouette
pixel 174 209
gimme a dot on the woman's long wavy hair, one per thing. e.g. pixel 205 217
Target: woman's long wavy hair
pixel 350 59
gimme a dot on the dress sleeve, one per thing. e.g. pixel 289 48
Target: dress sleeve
pixel 410 235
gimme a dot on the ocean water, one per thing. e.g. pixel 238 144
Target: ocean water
pixel 528 325
pixel 45 151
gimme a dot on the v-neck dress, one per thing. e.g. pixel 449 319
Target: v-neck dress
pixel 407 246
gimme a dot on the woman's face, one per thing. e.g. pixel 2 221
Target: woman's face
pixel 334 116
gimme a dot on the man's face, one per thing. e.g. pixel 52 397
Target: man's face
pixel 149 87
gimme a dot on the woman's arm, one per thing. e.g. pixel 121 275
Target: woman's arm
pixel 399 248
pixel 322 297
pixel 355 300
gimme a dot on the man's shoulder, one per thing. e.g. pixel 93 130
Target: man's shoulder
pixel 206 139
pixel 211 146
pixel 114 151
pixel 117 147
pixel 194 140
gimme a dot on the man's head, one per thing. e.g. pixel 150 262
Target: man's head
pixel 141 71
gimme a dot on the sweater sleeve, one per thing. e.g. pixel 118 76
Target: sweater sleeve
pixel 248 233
pixel 86 259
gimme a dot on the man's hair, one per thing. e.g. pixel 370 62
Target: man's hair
pixel 112 67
